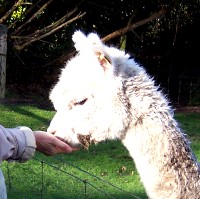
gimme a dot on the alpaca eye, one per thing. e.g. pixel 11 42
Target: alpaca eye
pixel 80 102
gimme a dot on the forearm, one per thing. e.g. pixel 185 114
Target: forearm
pixel 17 144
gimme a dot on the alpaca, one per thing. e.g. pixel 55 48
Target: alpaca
pixel 102 93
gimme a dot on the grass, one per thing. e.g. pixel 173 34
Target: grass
pixel 55 177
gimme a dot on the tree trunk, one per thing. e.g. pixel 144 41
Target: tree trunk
pixel 3 50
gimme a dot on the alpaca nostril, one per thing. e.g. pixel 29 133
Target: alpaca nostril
pixel 51 131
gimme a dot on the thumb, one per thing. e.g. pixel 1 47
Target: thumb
pixel 64 146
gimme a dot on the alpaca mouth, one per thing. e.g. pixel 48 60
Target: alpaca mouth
pixel 85 140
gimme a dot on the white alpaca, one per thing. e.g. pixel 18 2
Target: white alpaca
pixel 103 94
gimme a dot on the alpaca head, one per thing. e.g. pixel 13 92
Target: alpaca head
pixel 88 98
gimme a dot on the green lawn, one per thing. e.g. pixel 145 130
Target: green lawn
pixel 55 177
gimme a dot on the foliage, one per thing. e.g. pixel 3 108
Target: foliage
pixel 17 14
pixel 99 16
pixel 39 35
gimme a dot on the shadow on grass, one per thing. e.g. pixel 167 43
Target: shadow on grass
pixel 25 111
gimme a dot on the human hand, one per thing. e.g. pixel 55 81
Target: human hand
pixel 49 145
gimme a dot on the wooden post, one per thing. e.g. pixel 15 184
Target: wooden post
pixel 3 52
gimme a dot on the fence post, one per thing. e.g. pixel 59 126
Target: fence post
pixel 3 52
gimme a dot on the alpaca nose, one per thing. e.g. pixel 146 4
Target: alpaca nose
pixel 50 130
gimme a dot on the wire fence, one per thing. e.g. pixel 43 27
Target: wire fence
pixel 182 90
pixel 75 183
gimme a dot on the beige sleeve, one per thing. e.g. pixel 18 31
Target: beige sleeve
pixel 16 144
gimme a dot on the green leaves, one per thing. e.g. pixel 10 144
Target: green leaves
pixel 18 14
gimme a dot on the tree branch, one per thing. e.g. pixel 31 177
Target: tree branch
pixel 5 17
pixel 26 13
pixel 31 18
pixel 117 33
pixel 29 40
pixel 23 41
pixel 130 26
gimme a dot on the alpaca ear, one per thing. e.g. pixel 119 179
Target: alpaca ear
pixel 103 60
pixel 98 49
pixel 80 41
pixel 92 43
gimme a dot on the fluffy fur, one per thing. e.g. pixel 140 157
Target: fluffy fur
pixel 104 94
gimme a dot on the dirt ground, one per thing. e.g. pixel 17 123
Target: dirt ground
pixel 188 109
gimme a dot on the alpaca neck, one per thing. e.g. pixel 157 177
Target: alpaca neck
pixel 161 154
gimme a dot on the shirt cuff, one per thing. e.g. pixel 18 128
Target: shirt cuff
pixel 30 144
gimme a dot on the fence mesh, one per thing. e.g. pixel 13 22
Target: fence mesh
pixel 56 180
